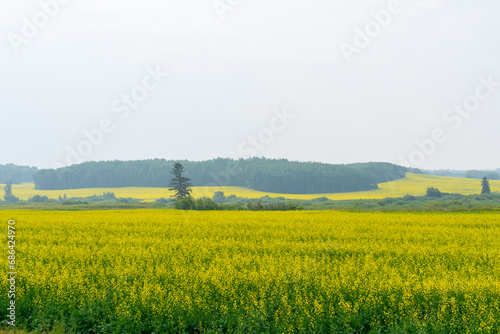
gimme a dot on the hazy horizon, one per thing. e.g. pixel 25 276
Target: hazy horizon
pixel 344 163
pixel 411 83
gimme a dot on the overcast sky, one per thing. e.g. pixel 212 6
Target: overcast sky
pixel 234 65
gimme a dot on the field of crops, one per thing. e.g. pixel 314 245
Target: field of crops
pixel 413 184
pixel 145 271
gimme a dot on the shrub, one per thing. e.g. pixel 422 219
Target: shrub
pixel 434 192
pixel 38 199
pixel 205 204
pixel 11 199
pixel 162 201
pixel 409 197
pixel 184 203
pixel 219 197
pixel 78 202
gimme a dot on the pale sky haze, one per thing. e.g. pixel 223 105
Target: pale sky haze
pixel 227 79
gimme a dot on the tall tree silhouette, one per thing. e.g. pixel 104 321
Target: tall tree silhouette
pixel 179 184
pixel 8 188
pixel 485 186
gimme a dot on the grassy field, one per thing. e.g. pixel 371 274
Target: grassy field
pixel 413 184
pixel 168 271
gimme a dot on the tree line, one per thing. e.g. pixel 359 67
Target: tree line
pixel 479 174
pixel 16 174
pixel 270 175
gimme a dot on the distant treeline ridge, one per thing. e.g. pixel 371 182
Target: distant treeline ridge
pixel 16 174
pixel 270 175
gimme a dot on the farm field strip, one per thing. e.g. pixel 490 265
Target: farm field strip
pixel 413 184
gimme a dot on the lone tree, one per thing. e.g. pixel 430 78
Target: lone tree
pixel 486 186
pixel 219 197
pixel 8 188
pixel 178 183
pixel 9 198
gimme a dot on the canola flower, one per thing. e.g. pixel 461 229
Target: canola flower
pixel 167 271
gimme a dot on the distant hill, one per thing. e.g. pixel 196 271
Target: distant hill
pixel 469 174
pixel 16 174
pixel 270 175
pixel 479 174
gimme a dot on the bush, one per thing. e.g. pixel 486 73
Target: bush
pixel 184 203
pixel 387 200
pixel 280 206
pixel 38 199
pixel 219 197
pixel 409 197
pixel 11 199
pixel 434 192
pixel 101 198
pixel 205 204
pixel 70 202
pixel 255 206
pixel 162 201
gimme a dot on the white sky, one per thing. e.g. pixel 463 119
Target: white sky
pixel 227 77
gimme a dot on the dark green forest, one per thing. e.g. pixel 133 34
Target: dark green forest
pixel 16 174
pixel 270 175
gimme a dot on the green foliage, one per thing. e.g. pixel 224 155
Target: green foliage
pixel 447 202
pixel 106 196
pixel 434 192
pixel 485 186
pixel 9 197
pixel 8 188
pixel 255 206
pixel 409 197
pixel 74 202
pixel 163 200
pixel 219 197
pixel 178 183
pixel 277 206
pixel 184 203
pixel 385 201
pixel 38 199
pixel 206 204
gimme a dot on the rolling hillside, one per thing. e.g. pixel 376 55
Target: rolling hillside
pixel 413 184
pixel 266 175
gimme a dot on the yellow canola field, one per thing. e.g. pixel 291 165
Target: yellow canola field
pixel 167 271
pixel 413 184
